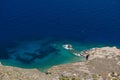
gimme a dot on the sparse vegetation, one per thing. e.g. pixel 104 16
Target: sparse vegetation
pixel 69 78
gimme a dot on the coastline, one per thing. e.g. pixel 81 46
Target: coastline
pixel 108 57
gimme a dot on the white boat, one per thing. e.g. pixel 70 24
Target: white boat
pixel 75 52
pixel 68 47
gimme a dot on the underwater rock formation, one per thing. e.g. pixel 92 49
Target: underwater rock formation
pixel 29 51
pixel 38 54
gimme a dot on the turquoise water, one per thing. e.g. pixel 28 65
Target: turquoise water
pixel 52 53
pixel 92 23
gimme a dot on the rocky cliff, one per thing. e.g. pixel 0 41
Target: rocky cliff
pixel 102 64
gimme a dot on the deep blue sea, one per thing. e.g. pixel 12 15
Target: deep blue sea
pixel 32 32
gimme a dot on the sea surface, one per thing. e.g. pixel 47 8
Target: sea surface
pixel 32 32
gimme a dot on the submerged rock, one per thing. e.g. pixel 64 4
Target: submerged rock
pixel 38 54
pixel 30 52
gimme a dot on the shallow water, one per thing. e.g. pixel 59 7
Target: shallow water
pixel 42 54
pixel 27 25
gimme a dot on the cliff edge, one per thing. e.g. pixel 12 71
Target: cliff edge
pixel 102 64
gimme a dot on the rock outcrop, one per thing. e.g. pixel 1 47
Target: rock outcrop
pixel 102 64
pixel 13 73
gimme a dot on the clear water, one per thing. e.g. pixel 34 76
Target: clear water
pixel 26 24
pixel 48 53
pixel 45 58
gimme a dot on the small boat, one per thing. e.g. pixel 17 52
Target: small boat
pixel 75 52
pixel 68 47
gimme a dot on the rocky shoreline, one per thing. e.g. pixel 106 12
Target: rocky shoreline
pixel 102 64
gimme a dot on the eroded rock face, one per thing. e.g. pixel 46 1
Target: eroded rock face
pixel 101 61
pixel 103 64
pixel 105 52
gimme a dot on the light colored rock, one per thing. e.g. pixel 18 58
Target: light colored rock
pixel 104 52
pixel 13 73
pixel 102 61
